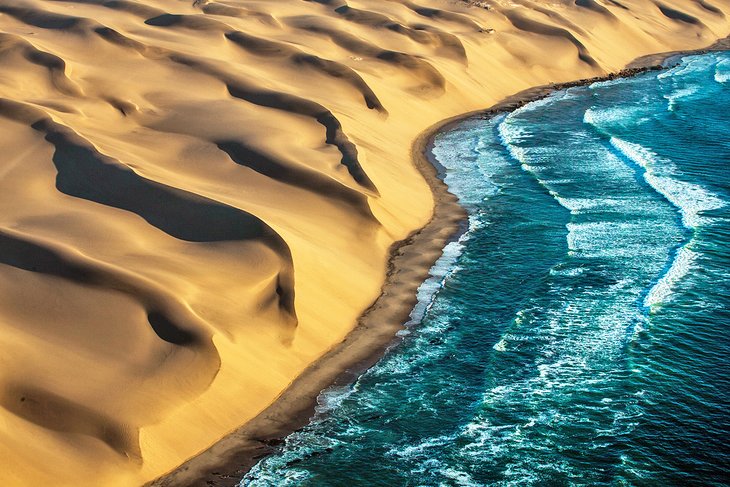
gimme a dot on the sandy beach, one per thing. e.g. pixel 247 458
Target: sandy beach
pixel 202 201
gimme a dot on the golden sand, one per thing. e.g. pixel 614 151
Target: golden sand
pixel 198 198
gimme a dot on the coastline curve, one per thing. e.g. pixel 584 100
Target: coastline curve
pixel 411 259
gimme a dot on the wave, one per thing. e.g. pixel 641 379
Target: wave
pixel 680 94
pixel 440 272
pixel 681 80
pixel 690 199
pixel 584 205
pixel 468 177
pixel 426 455
pixel 722 71
pixel 588 239
pixel 510 134
pixel 662 291
pixel 688 65
pixel 289 477
pixel 606 239
pixel 554 97
pixel 660 173
pixel 582 328
pixel 569 352
pixel 332 397
pixel 604 118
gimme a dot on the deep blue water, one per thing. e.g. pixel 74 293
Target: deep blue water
pixel 579 332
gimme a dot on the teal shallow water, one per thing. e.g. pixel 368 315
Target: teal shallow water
pixel 579 332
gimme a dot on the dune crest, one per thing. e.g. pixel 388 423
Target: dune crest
pixel 199 197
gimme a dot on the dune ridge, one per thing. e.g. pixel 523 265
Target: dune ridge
pixel 200 197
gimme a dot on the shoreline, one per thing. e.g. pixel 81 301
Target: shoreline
pixel 225 463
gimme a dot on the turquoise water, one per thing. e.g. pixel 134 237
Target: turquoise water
pixel 579 332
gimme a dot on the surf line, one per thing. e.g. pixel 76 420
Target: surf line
pixel 689 199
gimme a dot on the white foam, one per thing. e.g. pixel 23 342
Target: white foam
pixel 581 205
pixel 617 115
pixel 689 198
pixel 466 157
pixel 568 272
pixel 605 238
pixel 691 64
pixel 722 77
pixel 679 94
pixel 662 291
pixel 511 134
pixel 601 84
pixel 424 454
pixel 458 477
pixel 554 97
pixel 449 151
pixel 440 272
pixel 671 72
pixel 291 478
pixel 421 449
pixel 722 71
pixel 332 397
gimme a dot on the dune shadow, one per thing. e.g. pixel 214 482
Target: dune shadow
pixel 57 413
pixel 30 256
pixel 85 173
pixel 294 176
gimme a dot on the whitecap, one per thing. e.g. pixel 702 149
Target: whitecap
pixel 500 346
pixel 291 478
pixel 722 71
pixel 421 449
pixel 581 205
pixel 332 397
pixel 691 199
pixel 603 118
pixel 679 94
pixel 662 291
pixel 689 65
pixel 510 134
pixel 567 272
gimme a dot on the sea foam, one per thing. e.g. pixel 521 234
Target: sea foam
pixel 678 95
pixel 663 289
pixel 722 71
pixel 690 199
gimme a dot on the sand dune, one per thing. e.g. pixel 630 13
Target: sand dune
pixel 199 197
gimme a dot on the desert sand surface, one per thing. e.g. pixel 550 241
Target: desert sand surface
pixel 198 198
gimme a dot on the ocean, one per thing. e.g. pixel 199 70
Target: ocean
pixel 579 332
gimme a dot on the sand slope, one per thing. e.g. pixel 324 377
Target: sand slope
pixel 197 198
